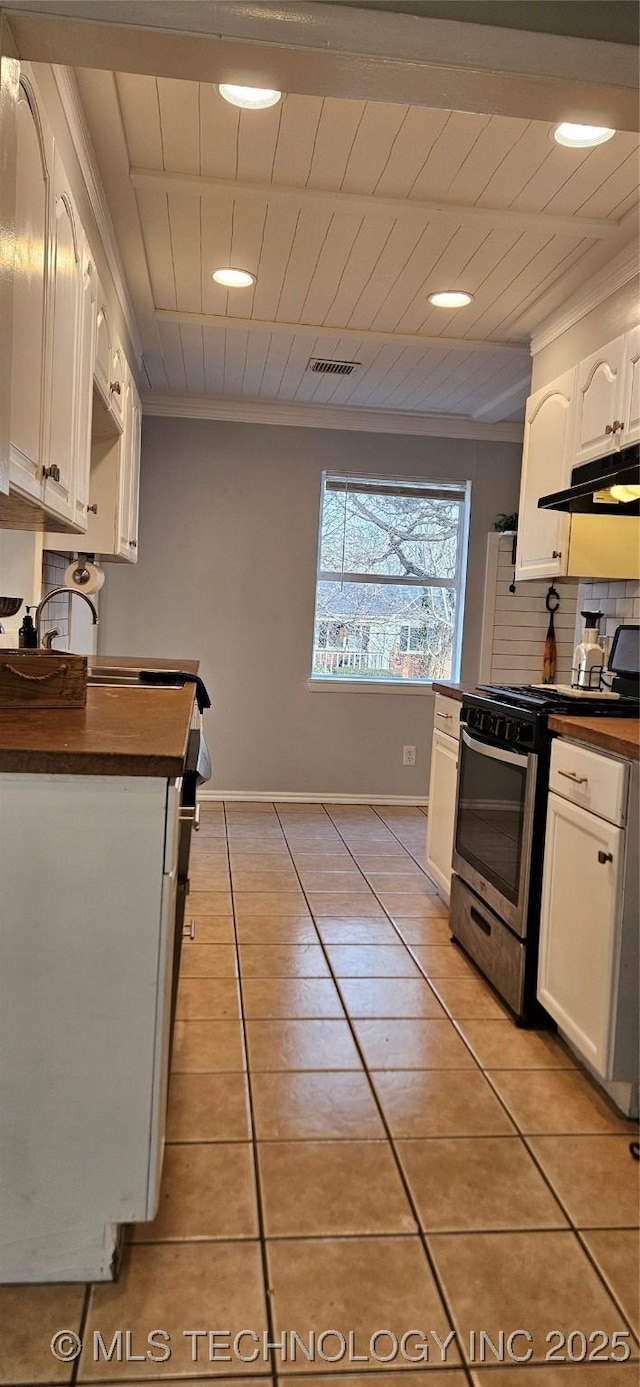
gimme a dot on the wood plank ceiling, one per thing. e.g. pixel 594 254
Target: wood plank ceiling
pixel 350 213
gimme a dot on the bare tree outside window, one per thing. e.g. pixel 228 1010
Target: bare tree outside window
pixel 390 579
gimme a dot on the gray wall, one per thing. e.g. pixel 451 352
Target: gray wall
pixel 226 574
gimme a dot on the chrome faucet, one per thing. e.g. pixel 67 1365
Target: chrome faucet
pixel 57 592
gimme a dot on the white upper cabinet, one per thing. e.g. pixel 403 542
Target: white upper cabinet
pixel 34 157
pixel 129 473
pixel 599 390
pixel 86 361
pixel 103 347
pixel 117 383
pixel 135 431
pixel 65 289
pixel 546 467
pixel 631 392
pixel 74 417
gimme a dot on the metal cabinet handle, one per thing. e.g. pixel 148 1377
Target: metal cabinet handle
pixel 480 921
pixel 133 544
pixel 191 816
pixel 608 428
pixel 618 425
pixel 448 717
pixel 557 554
pixel 115 387
pixel 93 509
pixel 190 931
pixel 51 473
pixel 573 775
pixel 605 857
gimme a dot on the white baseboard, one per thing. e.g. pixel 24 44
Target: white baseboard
pixel 293 797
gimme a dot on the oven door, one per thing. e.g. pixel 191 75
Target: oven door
pixel 494 825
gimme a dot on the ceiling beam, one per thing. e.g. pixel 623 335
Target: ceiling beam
pixel 331 50
pixel 576 227
pixel 349 334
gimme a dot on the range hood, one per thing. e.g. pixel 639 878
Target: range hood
pixel 598 488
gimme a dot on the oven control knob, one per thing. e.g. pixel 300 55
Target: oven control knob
pixel 486 722
pixel 499 728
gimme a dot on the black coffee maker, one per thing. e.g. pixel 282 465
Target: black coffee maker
pixel 624 661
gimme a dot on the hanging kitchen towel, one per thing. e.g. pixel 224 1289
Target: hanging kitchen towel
pixel 551 602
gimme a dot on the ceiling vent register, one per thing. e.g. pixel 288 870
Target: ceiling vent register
pixel 325 367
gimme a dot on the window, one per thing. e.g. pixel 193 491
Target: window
pixel 390 583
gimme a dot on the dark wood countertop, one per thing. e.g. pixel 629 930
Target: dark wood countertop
pixel 620 735
pixel 449 689
pixel 133 730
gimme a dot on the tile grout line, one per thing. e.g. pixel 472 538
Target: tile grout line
pixel 84 1316
pixel 254 1144
pixel 571 1225
pixel 399 1168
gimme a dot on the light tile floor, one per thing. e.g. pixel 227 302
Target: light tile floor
pixel 359 1138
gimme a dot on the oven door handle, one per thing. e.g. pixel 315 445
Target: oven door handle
pixel 495 753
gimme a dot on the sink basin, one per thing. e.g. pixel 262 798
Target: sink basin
pixel 116 678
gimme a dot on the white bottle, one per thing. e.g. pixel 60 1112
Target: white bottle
pixel 588 657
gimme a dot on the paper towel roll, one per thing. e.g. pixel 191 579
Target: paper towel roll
pixel 85 575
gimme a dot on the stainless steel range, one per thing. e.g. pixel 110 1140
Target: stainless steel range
pixel 500 825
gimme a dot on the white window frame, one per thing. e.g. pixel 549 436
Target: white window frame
pixel 457 490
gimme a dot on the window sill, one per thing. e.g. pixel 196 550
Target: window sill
pixel 369 686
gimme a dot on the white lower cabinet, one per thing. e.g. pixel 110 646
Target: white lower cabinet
pixel 442 799
pixel 587 969
pixel 582 875
pixel 85 990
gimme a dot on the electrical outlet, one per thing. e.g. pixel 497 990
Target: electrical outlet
pixel 408 756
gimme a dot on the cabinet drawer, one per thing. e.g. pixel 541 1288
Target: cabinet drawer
pixel 447 716
pixel 588 778
pixel 488 942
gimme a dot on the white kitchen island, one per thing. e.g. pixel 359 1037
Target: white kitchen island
pixel 89 814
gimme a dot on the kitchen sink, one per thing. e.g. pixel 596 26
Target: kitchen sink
pixel 116 678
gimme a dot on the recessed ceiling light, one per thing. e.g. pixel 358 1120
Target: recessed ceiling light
pixel 581 136
pixel 250 98
pixel 234 279
pixel 450 298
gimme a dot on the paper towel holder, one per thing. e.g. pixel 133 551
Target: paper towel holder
pixel 81 574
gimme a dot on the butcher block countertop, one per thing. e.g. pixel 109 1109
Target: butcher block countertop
pixel 450 689
pixel 135 730
pixel 620 735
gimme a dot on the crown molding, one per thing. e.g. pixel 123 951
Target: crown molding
pixel 328 417
pixel 620 271
pixel 65 81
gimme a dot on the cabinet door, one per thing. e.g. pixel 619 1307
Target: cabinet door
pixel 543 535
pixel 33 163
pixel 630 415
pixel 86 362
pixel 442 807
pixel 126 459
pixel 599 402
pixel 134 492
pixel 117 383
pixel 64 300
pixel 102 368
pixel 579 928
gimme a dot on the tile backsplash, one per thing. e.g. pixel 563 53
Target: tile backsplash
pixel 515 623
pixel 56 614
pixel 619 602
